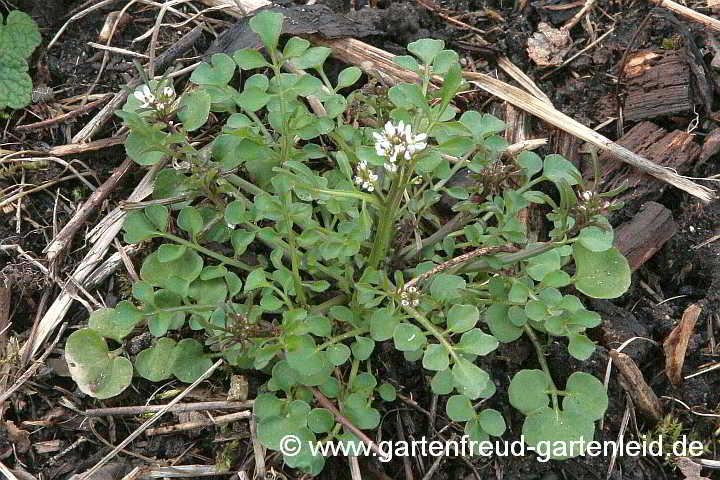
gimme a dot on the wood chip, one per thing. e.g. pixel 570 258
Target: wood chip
pixel 675 345
pixel 634 383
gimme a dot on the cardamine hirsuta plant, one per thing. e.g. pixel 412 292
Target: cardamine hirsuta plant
pixel 292 240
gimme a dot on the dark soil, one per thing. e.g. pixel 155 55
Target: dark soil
pixel 680 274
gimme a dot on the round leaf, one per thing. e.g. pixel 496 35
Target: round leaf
pixel 601 274
pixel 194 109
pixel 462 318
pixel 408 337
pixel 152 363
pixel 527 391
pixel 492 422
pixel 585 395
pixel 565 430
pixel 436 357
pixel 459 408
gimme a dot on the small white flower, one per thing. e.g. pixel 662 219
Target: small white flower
pixel 365 177
pixel 168 92
pixel 145 96
pixel 587 195
pixel 398 140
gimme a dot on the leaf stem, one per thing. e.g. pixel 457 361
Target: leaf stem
pixel 207 251
pixel 343 336
pixel 428 325
pixel 543 364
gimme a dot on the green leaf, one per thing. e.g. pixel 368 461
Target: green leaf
pixel 268 25
pixel 444 61
pixel 557 279
pixel 194 109
pixel 387 392
pixel 19 36
pixel 252 99
pixel 476 342
pixel 96 371
pixel 408 337
pixel 362 348
pixel 530 161
pixel 557 168
pixel 218 75
pixel 240 240
pixel 517 316
pixel 492 422
pixel 500 325
pixel 596 239
pixel 338 354
pixel 407 62
pixel 426 49
pixel 190 220
pixel 312 58
pixel 461 318
pixel 580 346
pixel 109 324
pixel 436 357
pixel 446 287
pixel 601 274
pixel 158 215
pixel 585 395
pixel 248 59
pixel 348 77
pixel 267 405
pixel 407 95
pixel 527 391
pixel 168 252
pixel 295 46
pixel 442 382
pixel 382 325
pixel 565 431
pixel 459 408
pixel 138 227
pixel 475 432
pixel 320 420
pixel 469 376
pixel 152 363
pixel 189 360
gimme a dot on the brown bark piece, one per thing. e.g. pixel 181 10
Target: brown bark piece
pixel 675 150
pixel 711 145
pixel 634 383
pixel 658 84
pixel 675 345
pixel 645 234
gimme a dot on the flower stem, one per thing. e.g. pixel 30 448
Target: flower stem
pixel 383 235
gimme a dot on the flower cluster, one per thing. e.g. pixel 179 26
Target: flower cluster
pixel 409 296
pixel 590 204
pixel 398 140
pixel 161 101
pixel 365 177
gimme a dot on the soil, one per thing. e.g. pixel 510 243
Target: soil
pixel 682 273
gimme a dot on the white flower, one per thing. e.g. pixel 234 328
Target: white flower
pixel 145 96
pixel 409 296
pixel 163 99
pixel 587 195
pixel 398 140
pixel 365 177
